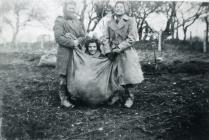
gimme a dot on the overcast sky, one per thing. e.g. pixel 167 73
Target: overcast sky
pixel 53 8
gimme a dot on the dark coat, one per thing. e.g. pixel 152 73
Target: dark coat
pixel 66 45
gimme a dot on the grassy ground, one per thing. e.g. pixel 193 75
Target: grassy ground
pixel 168 105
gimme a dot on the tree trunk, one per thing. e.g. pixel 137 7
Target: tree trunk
pixel 17 26
pixel 160 41
pixel 140 29
pixel 146 32
pixel 172 28
pixel 140 33
pixel 177 34
pixel 206 21
pixel 14 37
pixel 190 38
pixel 185 33
pixel 167 31
pixel 204 42
pixel 88 27
pixel 82 14
pixel 177 30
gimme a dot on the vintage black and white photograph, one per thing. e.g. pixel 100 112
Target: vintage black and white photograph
pixel 104 70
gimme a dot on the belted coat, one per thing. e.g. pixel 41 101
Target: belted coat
pixel 121 36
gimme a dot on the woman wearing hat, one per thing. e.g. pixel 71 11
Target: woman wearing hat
pixel 68 31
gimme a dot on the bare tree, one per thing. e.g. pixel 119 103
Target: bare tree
pixel 95 13
pixel 188 16
pixel 205 6
pixel 207 24
pixel 18 14
pixel 82 16
pixel 180 14
pixel 178 17
pixel 169 9
pixel 92 17
pixel 141 10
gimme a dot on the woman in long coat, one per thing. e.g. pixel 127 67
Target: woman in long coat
pixel 68 32
pixel 121 33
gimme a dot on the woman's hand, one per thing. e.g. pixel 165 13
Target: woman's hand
pixel 76 43
pixel 111 56
pixel 116 50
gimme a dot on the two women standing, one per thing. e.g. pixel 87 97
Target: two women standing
pixel 120 34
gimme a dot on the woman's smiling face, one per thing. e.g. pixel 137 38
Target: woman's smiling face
pixel 119 9
pixel 71 8
pixel 92 47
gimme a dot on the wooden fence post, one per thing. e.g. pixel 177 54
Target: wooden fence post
pixel 190 38
pixel 205 43
pixel 42 43
pixel 160 41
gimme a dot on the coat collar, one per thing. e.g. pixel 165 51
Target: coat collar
pixel 72 25
pixel 125 17
pixel 116 27
pixel 121 23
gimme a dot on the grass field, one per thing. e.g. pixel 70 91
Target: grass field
pixel 170 104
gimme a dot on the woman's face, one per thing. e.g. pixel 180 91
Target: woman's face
pixel 119 9
pixel 70 8
pixel 70 11
pixel 92 48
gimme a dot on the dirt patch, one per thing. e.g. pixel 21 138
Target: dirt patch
pixel 168 106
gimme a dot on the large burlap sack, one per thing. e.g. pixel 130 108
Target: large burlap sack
pixel 92 80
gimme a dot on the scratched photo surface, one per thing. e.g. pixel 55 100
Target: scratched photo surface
pixel 104 69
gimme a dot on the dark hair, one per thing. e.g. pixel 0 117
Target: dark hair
pixel 92 41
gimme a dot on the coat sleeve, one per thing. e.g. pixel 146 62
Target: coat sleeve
pixel 60 34
pixel 132 35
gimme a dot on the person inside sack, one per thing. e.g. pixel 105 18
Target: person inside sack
pixel 93 48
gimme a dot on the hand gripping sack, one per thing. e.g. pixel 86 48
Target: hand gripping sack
pixel 90 79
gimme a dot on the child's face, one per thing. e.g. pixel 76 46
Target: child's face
pixel 92 48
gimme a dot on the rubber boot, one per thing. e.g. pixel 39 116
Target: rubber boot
pixel 63 93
